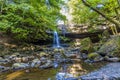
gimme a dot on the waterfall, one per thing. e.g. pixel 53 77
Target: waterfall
pixel 47 3
pixel 56 41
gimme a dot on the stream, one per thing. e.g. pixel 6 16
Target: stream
pixel 77 69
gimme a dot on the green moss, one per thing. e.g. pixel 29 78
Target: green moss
pixel 87 45
pixel 93 55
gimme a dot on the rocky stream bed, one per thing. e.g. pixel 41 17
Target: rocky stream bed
pixel 36 62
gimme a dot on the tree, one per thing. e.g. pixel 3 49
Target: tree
pixel 92 11
pixel 28 20
pixel 102 14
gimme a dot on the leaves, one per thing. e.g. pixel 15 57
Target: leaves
pixel 82 14
pixel 29 19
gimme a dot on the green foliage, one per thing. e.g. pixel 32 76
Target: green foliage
pixel 81 13
pixel 93 55
pixel 28 20
pixel 64 38
pixel 85 15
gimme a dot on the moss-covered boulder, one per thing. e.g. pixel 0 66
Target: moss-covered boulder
pixel 95 57
pixel 105 36
pixel 111 46
pixel 86 44
pixel 43 54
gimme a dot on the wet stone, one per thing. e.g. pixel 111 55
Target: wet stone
pixel 109 72
pixel 71 78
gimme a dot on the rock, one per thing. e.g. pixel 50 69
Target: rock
pixel 43 60
pixel 110 46
pixel 25 59
pixel 58 49
pixel 35 63
pixel 92 78
pixel 70 55
pixel 49 79
pixel 55 64
pixel 4 61
pixel 14 50
pixel 89 61
pixel 3 69
pixel 58 57
pixel 114 59
pixel 48 64
pixel 18 59
pixel 1 58
pixel 83 56
pixel 16 53
pixel 71 78
pixel 12 57
pixel 95 57
pixel 105 36
pixel 20 65
pixel 31 57
pixel 43 54
pixel 109 72
pixel 7 56
pixel 86 44
pixel 63 76
pixel 75 51
pixel 65 60
pixel 27 71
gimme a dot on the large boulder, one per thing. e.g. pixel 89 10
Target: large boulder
pixel 107 51
pixel 95 57
pixel 111 46
pixel 109 72
pixel 20 65
pixel 112 59
pixel 86 44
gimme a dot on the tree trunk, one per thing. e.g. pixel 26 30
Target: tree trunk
pixel 102 14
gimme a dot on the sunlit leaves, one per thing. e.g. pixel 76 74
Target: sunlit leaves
pixel 83 14
pixel 29 19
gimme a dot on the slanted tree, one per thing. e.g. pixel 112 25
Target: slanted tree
pixel 114 21
pixel 93 12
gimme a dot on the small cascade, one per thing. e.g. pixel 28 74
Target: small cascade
pixel 47 3
pixel 56 41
